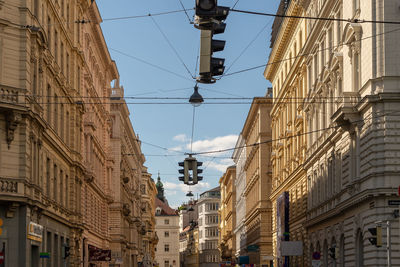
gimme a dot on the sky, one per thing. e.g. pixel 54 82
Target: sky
pixel 157 56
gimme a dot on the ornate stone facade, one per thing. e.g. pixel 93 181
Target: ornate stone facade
pixel 58 172
pixel 256 131
pixel 349 75
pixel 227 213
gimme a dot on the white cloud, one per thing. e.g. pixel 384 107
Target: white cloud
pixel 217 143
pixel 173 188
pixel 221 165
pixel 180 138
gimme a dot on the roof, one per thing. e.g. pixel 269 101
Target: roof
pixel 166 210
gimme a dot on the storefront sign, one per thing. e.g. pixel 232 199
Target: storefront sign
pixel 35 231
pixel 98 254
pixel 44 255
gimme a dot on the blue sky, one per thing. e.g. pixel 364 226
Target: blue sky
pixel 157 40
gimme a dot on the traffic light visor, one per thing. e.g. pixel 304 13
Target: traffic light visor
pixel 206 4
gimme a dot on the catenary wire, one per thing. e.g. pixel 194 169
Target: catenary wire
pixel 172 47
pixel 296 135
pixel 187 15
pixel 308 54
pixel 316 18
pixel 249 44
pixel 151 64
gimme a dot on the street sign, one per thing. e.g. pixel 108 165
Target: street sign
pixel 44 255
pixel 394 202
pixel 253 248
pixel 316 255
pixel 315 263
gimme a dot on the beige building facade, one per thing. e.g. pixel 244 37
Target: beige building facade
pixel 349 72
pixel 227 213
pixel 59 171
pixel 289 182
pixel 256 132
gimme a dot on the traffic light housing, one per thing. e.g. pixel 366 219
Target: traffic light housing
pixel 376 238
pixel 196 171
pixel 209 19
pixel 184 171
pixel 190 164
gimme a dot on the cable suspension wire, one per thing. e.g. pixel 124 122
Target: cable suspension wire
pixel 191 139
pixel 204 153
pixel 234 5
pixel 150 64
pixel 250 43
pixel 148 15
pixel 295 135
pixel 172 47
pixel 308 54
pixel 183 7
pixel 316 18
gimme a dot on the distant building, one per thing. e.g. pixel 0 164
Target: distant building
pixel 227 211
pixel 239 157
pixel 208 205
pixel 167 229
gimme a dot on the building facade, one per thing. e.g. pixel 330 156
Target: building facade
pixel 350 74
pixel 227 213
pixel 58 167
pixel 41 127
pixel 289 182
pixel 167 228
pixel 256 134
pixel 208 205
pixel 239 157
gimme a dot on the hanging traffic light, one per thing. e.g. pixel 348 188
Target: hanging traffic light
pixel 209 19
pixel 196 171
pixel 184 171
pixel 376 238
pixel 190 171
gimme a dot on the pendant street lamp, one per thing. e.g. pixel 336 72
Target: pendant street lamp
pixel 196 99
pixel 189 194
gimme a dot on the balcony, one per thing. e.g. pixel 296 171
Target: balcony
pixel 10 187
pixel 347 114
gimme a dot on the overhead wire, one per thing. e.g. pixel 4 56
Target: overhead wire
pixel 173 48
pixel 307 54
pixel 288 137
pixel 353 20
pixel 183 7
pixel 151 64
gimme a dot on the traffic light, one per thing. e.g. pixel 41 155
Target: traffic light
pixel 190 164
pixel 376 238
pixel 184 171
pixel 209 19
pixel 196 171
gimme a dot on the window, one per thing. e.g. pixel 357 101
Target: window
pixel 55 186
pixel 166 263
pixel 166 234
pixel 166 221
pixel 166 247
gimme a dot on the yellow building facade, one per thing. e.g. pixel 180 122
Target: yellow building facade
pixel 256 134
pixel 227 211
pixel 287 73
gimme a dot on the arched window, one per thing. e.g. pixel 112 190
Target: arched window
pixel 341 251
pixel 359 249
pixel 325 253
